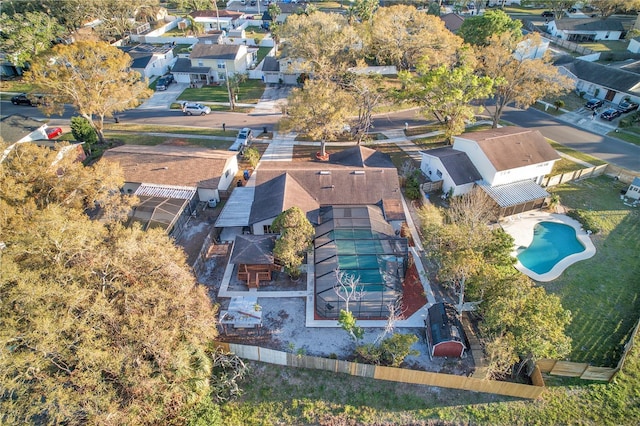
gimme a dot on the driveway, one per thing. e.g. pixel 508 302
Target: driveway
pixel 163 99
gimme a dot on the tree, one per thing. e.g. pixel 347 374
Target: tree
pixel 105 312
pixel 197 28
pixel 609 7
pixel 274 11
pixel 24 36
pixel 252 156
pixel 324 41
pixel 368 93
pixel 296 235
pixel 535 320
pixel 479 29
pixel 402 35
pixel 517 78
pixel 94 77
pixel 117 16
pixel 191 5
pixel 392 351
pixel 83 132
pixel 365 9
pixel 320 110
pixel 233 87
pixel 473 210
pixel 447 93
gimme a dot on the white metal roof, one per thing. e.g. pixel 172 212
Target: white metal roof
pixel 237 209
pixel 166 191
pixel 515 193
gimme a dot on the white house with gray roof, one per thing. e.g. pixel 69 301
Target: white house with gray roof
pixel 508 163
pixel 601 81
pixel 586 30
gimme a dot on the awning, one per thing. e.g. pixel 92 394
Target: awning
pixel 513 194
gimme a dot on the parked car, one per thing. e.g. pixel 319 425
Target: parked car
pixel 164 82
pixel 627 106
pixel 30 100
pixel 547 14
pixel 244 137
pixel 594 103
pixel 610 114
pixel 53 132
pixel 190 108
pixel 253 2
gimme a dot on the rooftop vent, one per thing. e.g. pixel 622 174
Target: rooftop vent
pixel 358 172
pixel 325 172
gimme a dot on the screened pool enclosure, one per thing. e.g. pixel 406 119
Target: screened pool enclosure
pixel 358 242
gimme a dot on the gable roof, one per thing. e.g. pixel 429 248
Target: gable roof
pixel 444 324
pixel 214 51
pixel 457 163
pixel 595 24
pixel 279 194
pixel 141 61
pixel 270 64
pixel 223 13
pixel 614 78
pixel 512 147
pixel 183 65
pixel 360 156
pixel 253 250
pixel 170 165
pixel 452 21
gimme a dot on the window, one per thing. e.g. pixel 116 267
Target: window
pixel 267 229
pixel 221 65
pixel 439 173
pixel 226 174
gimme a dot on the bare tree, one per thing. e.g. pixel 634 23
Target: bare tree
pixel 348 288
pixel 472 210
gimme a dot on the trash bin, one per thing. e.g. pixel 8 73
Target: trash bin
pixel 212 203
pixel 246 175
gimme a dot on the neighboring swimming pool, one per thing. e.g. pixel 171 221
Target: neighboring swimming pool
pixel 552 242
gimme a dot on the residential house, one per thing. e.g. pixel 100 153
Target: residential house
pixel 212 63
pixel 209 172
pixel 445 336
pixel 510 163
pixel 634 189
pixel 354 201
pixel 150 60
pixel 586 30
pixel 282 71
pixel 601 81
pixel 217 19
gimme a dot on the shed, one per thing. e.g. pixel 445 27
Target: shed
pixel 445 336
pixel 254 256
pixel 634 189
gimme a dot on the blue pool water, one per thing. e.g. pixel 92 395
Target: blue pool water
pixel 551 243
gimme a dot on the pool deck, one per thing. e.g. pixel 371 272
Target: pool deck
pixel 520 227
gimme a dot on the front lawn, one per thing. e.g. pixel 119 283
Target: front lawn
pixel 602 293
pixel 249 93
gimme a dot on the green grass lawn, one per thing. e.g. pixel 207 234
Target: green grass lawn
pixel 630 134
pixel 565 166
pixel 602 293
pixel 249 92
pixel 141 139
pixel 262 53
pixel 576 154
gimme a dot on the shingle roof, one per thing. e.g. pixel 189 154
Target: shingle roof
pixel 183 65
pixel 141 61
pixel 279 194
pixel 452 21
pixel 253 250
pixel 445 326
pixel 616 79
pixel 361 156
pixel 170 165
pixel 512 147
pixel 457 163
pixel 214 51
pixel 270 64
pixel 596 24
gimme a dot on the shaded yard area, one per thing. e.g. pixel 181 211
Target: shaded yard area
pixel 602 293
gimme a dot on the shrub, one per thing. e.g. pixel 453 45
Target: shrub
pixel 585 219
pixel 252 156
pixel 412 186
pixel 83 132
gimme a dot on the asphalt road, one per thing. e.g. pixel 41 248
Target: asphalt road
pixel 609 149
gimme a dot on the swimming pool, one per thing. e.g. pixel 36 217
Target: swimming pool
pixel 552 242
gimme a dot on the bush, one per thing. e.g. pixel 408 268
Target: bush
pixel 585 220
pixel 412 186
pixel 252 156
pixel 83 132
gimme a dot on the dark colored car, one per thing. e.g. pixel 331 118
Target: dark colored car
pixel 594 103
pixel 164 82
pixel 23 99
pixel 627 106
pixel 547 14
pixel 610 114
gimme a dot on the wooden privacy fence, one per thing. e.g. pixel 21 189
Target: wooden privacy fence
pixel 575 175
pixel 271 356
pixel 584 370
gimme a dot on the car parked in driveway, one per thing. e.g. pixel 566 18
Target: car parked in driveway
pixel 610 114
pixel 190 108
pixel 627 106
pixel 242 140
pixel 164 82
pixel 594 103
pixel 547 14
